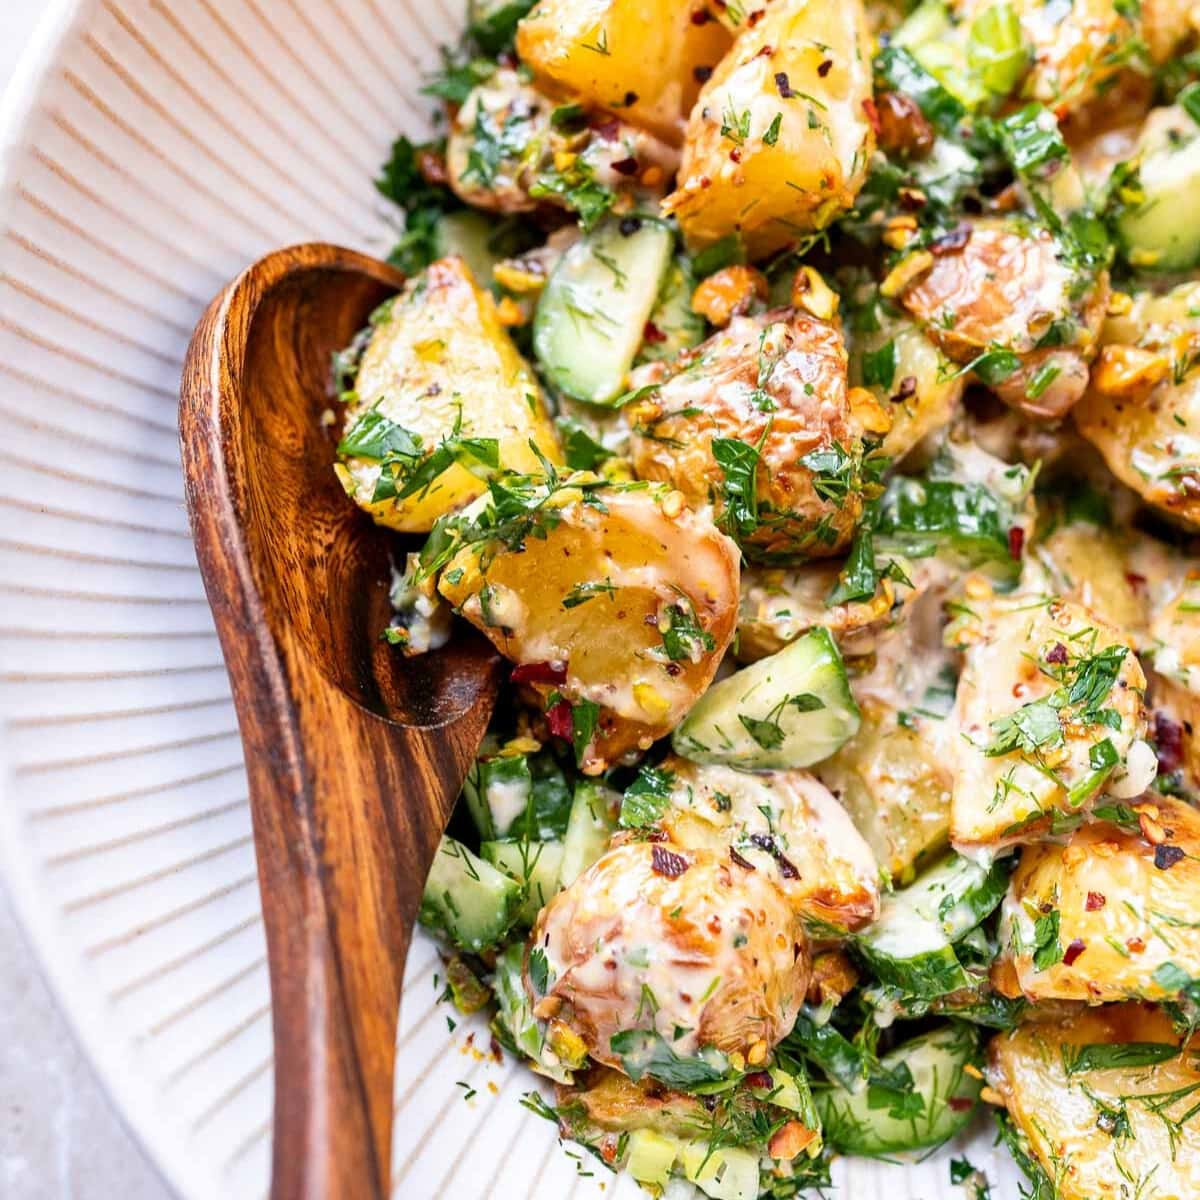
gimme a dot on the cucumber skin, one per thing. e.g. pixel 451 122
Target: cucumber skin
pixel 831 686
pixel 474 908
pixel 540 885
pixel 853 1127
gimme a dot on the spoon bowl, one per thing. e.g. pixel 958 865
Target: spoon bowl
pixel 355 754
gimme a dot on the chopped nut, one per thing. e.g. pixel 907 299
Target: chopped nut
pixel 757 1054
pixel 728 293
pixel 989 1095
pixel 899 231
pixel 566 1043
pixel 833 976
pixel 1073 856
pixel 547 1007
pixel 873 417
pixel 972 1070
pixel 1152 831
pixel 905 273
pixel 1105 849
pixel 652 176
pixel 516 276
pixel 977 588
pixel 790 1140
pixel 672 504
pixel 737 1060
pixel 1119 303
pixel 811 293
pixel 510 312
pixel 1129 372
pixel 520 745
pixel 564 160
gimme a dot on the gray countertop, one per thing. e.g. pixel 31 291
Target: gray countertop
pixel 59 1136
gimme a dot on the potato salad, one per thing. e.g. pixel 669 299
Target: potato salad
pixel 803 398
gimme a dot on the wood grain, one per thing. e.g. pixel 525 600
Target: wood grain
pixel 355 755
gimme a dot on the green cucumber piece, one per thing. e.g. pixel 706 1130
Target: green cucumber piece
pixel 726 1173
pixel 468 899
pixel 789 710
pixel 589 830
pixel 830 1049
pixel 534 865
pixel 934 1100
pixel 911 945
pixel 1162 231
pixel 514 1023
pixel 467 234
pixel 651 1156
pixel 518 796
pixel 593 311
pixel 678 326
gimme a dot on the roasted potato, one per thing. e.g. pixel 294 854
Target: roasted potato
pixel 612 1101
pixel 439 366
pixel 505 153
pixel 1008 287
pixel 1096 919
pixel 779 140
pixel 787 826
pixel 683 943
pixel 1051 717
pixel 606 595
pixel 773 390
pixel 642 61
pixel 1102 1111
pixel 1142 410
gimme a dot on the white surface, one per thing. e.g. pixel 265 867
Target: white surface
pixel 59 1136
pixel 167 143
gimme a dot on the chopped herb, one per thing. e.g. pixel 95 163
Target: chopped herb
pixel 647 798
pixel 1106 1056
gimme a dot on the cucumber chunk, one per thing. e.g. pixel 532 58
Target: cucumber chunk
pixel 518 796
pixel 534 865
pixel 593 312
pixel 514 1023
pixel 930 1097
pixel 911 945
pixel 789 710
pixel 673 326
pixel 467 234
pixel 589 829
pixel 468 899
pixel 1161 231
pixel 728 1173
pixel 651 1156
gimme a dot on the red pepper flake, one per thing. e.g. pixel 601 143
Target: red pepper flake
pixel 702 74
pixel 824 68
pixel 1057 654
pixel 626 166
pixel 907 389
pixel 782 86
pixel 667 862
pixel 1095 901
pixel 539 672
pixel 739 861
pixel 1135 945
pixel 786 868
pixel 1168 743
pixel 871 112
pixel 961 1103
pixel 950 243
pixel 765 51
pixel 558 718
pixel 701 16
pixel 735 155
pixel 1134 579
pixel 652 334
pixel 756 16
pixel 1074 950
pixel 610 1144
pixel 1016 541
pixel 631 98
pixel 1165 857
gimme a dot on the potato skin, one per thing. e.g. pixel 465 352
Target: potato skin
pixel 778 380
pixel 633 562
pixel 602 52
pixel 442 352
pixel 1008 798
pixel 830 873
pixel 714 921
pixel 1059 1112
pixel 1005 287
pixel 772 183
pixel 1123 915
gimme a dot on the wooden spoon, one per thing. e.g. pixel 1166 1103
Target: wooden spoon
pixel 354 754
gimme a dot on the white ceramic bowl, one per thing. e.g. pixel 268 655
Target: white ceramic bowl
pixel 151 149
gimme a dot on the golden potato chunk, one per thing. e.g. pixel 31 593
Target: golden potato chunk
pixel 787 826
pixel 614 1102
pixel 779 140
pixel 439 369
pixel 641 60
pixel 1051 716
pixel 1008 287
pixel 1142 410
pixel 1103 1111
pixel 616 602
pixel 680 943
pixel 1098 918
pixel 757 421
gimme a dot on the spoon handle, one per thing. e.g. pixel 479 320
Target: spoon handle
pixel 354 756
